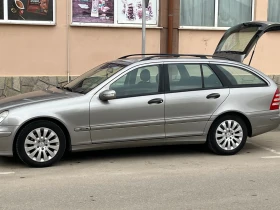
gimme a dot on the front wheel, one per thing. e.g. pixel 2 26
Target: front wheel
pixel 227 135
pixel 41 144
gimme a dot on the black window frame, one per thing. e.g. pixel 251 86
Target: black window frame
pixel 229 83
pixel 160 87
pixel 167 84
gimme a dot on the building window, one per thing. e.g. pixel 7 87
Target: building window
pixel 215 13
pixel 1 9
pixel 274 10
pixel 112 12
pixel 35 12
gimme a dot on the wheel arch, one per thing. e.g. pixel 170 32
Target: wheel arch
pixel 239 114
pixel 53 120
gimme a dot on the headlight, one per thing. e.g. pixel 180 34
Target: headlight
pixel 3 115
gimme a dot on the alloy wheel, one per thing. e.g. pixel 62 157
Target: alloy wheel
pixel 42 144
pixel 229 135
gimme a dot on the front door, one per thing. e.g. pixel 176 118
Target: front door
pixel 194 93
pixel 136 114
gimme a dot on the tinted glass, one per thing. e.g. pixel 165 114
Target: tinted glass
pixel 210 78
pixel 184 77
pixel 237 41
pixel 141 81
pixel 239 77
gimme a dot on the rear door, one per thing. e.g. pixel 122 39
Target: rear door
pixel 238 41
pixel 193 93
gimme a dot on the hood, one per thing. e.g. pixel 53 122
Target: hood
pixel 35 97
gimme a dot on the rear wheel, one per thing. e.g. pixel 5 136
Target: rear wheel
pixel 227 135
pixel 41 144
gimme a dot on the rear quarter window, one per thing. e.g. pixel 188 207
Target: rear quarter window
pixel 241 77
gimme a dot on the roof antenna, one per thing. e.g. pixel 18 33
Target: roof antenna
pixel 253 52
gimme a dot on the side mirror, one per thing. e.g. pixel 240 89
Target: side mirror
pixel 107 95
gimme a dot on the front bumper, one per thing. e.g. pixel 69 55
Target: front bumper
pixel 7 135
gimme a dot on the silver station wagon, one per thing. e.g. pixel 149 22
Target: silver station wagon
pixel 148 100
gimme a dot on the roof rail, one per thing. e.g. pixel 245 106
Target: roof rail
pixel 158 55
pixel 174 55
pixel 127 56
pixel 184 55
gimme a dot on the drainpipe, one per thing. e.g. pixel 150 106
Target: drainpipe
pixel 67 40
pixel 170 26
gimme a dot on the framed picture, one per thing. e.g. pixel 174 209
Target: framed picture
pixel 130 12
pixel 112 12
pixel 93 11
pixel 37 12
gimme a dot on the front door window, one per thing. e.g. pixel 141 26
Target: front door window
pixel 139 82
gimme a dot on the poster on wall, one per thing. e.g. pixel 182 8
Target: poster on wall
pixel 93 11
pixel 1 9
pixel 130 11
pixel 31 10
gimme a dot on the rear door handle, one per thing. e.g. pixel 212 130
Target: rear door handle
pixel 213 95
pixel 156 101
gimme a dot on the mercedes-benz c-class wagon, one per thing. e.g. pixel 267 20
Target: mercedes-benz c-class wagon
pixel 148 100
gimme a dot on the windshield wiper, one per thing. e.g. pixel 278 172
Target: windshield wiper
pixel 68 88
pixel 72 90
pixel 65 88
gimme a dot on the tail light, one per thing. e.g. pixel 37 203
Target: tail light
pixel 275 101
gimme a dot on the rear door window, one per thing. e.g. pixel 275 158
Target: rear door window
pixel 241 77
pixel 187 77
pixel 184 77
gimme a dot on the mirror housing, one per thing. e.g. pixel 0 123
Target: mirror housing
pixel 107 95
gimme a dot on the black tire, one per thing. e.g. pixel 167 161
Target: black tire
pixel 20 143
pixel 213 144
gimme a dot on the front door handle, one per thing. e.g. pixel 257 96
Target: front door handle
pixel 156 101
pixel 213 96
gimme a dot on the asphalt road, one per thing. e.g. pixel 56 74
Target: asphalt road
pixel 177 177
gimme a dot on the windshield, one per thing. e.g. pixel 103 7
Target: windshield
pixel 94 77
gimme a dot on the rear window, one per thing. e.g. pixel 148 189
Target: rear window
pixel 241 77
pixel 239 40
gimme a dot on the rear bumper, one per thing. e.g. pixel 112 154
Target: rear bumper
pixel 264 122
pixel 7 134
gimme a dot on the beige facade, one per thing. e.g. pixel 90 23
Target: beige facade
pixel 62 50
